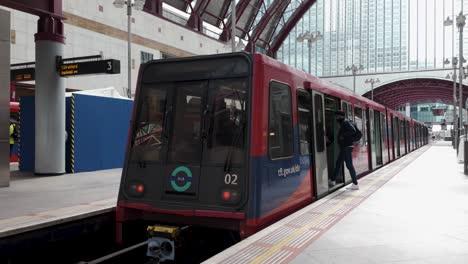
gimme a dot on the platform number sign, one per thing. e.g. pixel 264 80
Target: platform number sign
pixel 230 179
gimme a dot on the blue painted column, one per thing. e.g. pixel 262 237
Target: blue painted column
pixel 49 99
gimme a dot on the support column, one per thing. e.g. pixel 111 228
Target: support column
pixel 49 99
pixel 4 98
pixel 408 109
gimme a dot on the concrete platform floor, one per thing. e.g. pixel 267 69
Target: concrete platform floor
pixel 419 216
pixel 33 202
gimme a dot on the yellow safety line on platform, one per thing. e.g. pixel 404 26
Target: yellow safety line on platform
pixel 72 134
pixel 369 183
pixel 297 233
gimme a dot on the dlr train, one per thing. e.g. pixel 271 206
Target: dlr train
pixel 238 141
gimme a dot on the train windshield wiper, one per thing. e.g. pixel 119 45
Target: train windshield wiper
pixel 165 126
pixel 207 121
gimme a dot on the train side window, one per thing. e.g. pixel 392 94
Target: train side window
pixel 344 108
pixel 319 136
pixel 358 121
pixel 280 131
pixel 350 112
pixel 304 111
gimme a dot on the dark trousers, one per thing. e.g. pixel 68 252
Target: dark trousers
pixel 345 155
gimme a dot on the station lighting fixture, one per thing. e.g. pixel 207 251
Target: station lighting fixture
pixel 309 37
pixel 460 23
pixel 354 70
pixel 372 81
pixel 137 5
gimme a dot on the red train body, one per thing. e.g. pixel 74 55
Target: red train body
pixel 262 142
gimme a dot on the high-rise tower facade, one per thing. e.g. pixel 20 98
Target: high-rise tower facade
pixel 380 35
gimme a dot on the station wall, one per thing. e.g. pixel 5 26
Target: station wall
pixel 97 27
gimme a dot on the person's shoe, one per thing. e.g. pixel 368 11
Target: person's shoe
pixel 331 183
pixel 354 187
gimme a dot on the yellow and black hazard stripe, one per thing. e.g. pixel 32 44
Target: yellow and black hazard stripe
pixel 72 134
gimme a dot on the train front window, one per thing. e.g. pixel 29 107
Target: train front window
pixel 185 144
pixel 147 139
pixel 224 123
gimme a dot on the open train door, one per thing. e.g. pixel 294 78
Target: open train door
pixel 320 150
pixel 347 108
pixel 371 137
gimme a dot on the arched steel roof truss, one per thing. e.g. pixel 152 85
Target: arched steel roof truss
pixel 415 91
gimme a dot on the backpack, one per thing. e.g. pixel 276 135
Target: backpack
pixel 358 134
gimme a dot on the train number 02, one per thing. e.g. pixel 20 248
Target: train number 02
pixel 230 179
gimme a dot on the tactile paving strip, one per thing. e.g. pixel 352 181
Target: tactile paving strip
pixel 288 241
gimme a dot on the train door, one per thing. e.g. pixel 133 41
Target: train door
pixel 383 131
pixel 378 139
pixel 331 125
pixel 402 137
pixel 361 165
pixel 184 107
pixel 348 109
pixel 409 136
pixel 405 133
pixel 320 146
pixel 391 136
pixel 397 137
pixel 371 136
pixel 304 112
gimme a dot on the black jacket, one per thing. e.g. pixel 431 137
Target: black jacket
pixel 346 134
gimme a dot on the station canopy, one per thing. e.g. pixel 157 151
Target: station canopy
pixel 261 24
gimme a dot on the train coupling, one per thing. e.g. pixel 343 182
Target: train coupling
pixel 161 242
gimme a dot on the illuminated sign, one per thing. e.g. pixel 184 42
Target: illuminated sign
pixel 90 67
pixel 23 75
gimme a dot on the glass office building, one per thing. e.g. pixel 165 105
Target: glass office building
pixel 380 35
pixel 429 113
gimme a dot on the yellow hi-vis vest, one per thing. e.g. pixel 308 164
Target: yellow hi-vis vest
pixel 12 130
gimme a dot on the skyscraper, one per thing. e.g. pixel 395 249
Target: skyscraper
pixel 380 35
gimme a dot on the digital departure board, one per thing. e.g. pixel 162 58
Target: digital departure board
pixel 90 67
pixel 23 75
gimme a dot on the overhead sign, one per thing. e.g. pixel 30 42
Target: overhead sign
pixel 90 67
pixel 23 75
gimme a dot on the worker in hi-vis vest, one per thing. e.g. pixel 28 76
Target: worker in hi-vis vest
pixel 12 136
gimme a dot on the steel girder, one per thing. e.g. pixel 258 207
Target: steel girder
pixel 289 26
pixel 154 7
pixel 247 11
pixel 424 90
pixel 265 29
pixel 182 5
pixel 212 12
pixel 37 7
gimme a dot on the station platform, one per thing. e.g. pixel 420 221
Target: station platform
pixel 412 211
pixel 33 202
